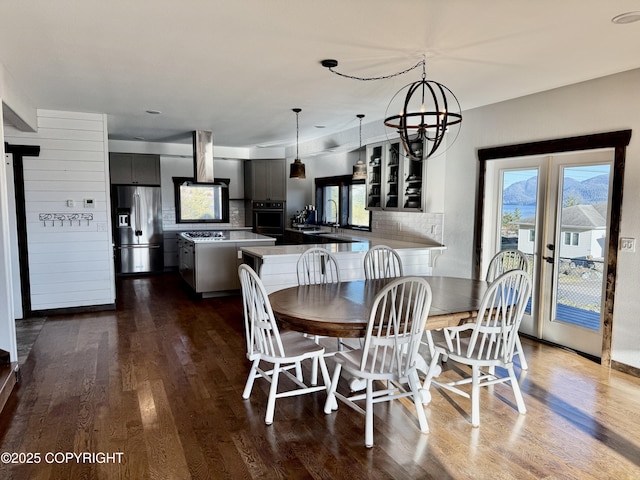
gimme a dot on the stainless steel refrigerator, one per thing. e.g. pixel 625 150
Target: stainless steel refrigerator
pixel 137 224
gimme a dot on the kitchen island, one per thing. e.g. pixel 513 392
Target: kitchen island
pixel 276 264
pixel 208 260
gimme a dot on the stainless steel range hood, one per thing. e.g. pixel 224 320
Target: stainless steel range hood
pixel 203 156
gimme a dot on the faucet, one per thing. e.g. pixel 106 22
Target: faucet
pixel 337 224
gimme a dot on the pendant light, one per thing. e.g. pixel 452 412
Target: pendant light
pixel 297 167
pixel 428 110
pixel 360 169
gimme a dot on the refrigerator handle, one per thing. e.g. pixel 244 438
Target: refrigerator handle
pixel 136 200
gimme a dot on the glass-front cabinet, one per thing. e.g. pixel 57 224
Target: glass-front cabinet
pixel 394 182
pixel 374 176
pixel 392 167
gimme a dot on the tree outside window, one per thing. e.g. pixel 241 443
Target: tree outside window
pixel 358 216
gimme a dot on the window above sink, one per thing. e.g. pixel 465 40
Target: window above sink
pixel 341 203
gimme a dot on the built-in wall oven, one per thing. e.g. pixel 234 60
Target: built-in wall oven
pixel 268 219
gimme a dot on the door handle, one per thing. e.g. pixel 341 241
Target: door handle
pixel 137 228
pixel 548 259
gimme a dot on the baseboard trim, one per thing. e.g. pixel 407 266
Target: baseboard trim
pixel 621 367
pixel 593 358
pixel 69 310
pixel 8 379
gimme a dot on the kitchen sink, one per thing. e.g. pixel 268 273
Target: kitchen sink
pixel 307 228
pixel 337 236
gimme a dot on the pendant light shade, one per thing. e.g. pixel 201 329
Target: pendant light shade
pixel 296 169
pixel 360 169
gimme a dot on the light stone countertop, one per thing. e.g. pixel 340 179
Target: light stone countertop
pixel 211 227
pixel 360 244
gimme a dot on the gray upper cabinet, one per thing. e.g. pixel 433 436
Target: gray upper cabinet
pixel 265 180
pixel 394 182
pixel 134 169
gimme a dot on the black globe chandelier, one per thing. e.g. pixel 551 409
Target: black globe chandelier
pixel 427 112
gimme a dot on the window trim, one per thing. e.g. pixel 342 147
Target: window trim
pixel 571 239
pixel 618 141
pixel 344 182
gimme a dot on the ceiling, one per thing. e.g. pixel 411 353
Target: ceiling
pixel 239 67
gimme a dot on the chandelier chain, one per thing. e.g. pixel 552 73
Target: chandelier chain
pixel 384 77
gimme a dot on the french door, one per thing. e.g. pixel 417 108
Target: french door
pixel 556 210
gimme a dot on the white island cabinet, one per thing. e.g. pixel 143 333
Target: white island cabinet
pixel 209 265
pixel 276 265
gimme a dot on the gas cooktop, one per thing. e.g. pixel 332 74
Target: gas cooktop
pixel 205 235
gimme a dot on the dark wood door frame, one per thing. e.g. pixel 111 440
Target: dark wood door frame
pixel 18 152
pixel 618 141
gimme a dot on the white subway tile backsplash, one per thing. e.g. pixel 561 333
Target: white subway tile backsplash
pixel 408 226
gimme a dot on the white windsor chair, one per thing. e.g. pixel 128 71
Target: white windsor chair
pixel 491 344
pixel 265 344
pixel 395 326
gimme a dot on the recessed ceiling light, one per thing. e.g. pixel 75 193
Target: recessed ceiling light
pixel 321 126
pixel 154 112
pixel 628 17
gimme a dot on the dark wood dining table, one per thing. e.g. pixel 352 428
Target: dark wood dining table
pixel 342 309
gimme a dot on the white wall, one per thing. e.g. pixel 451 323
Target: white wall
pixel 7 323
pixel 13 240
pixel 301 192
pixel 17 107
pixel 70 265
pixel 606 104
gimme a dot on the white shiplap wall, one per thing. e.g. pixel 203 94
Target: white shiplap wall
pixel 69 265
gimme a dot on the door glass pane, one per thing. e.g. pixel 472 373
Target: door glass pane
pixel 518 213
pixel 583 230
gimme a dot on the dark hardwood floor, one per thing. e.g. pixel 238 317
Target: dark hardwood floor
pixel 157 385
